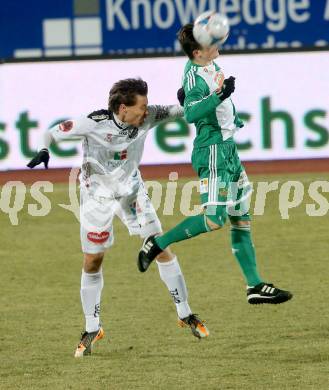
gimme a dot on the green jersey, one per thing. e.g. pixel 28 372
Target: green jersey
pixel 215 120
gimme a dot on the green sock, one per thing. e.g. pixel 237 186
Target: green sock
pixel 190 227
pixel 243 250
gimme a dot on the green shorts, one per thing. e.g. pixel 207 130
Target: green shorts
pixel 223 180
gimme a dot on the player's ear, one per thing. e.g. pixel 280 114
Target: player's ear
pixel 196 53
pixel 122 108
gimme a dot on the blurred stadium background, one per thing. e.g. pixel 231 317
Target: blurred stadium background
pixel 58 60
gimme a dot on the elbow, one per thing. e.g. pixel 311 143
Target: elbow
pixel 190 118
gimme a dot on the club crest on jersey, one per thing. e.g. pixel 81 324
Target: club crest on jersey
pixel 66 126
pixel 108 138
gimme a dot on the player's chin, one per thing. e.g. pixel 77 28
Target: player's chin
pixel 216 52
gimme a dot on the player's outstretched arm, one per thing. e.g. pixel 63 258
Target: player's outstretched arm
pixel 159 113
pixel 43 154
pixel 70 129
pixel 41 157
pixel 181 96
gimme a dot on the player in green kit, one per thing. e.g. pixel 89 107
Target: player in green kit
pixel 224 185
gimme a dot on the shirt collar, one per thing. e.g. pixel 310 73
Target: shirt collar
pixel 121 125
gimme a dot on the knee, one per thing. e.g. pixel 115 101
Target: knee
pixel 212 225
pixel 92 262
pixel 239 223
pixel 215 217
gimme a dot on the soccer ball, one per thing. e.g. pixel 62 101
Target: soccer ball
pixel 211 28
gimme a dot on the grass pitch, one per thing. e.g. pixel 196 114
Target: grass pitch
pixel 273 347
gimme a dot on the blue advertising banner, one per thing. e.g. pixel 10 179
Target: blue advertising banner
pixel 41 28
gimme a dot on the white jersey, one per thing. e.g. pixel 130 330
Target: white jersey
pixel 112 150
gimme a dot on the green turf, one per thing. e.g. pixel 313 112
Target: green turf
pixel 278 347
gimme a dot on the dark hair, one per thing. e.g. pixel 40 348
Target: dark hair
pixel 187 40
pixel 125 91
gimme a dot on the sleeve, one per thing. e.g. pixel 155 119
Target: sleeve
pixel 198 102
pixel 159 113
pixel 69 129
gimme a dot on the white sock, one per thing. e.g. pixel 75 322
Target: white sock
pixel 172 276
pixel 91 289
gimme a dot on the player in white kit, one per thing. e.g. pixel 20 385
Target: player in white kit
pixel 111 184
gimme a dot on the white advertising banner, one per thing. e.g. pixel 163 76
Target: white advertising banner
pixel 282 98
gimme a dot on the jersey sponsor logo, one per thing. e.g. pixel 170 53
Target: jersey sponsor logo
pixel 98 238
pixel 66 126
pixel 219 79
pixel 204 186
pixel 115 164
pixel 98 118
pixel 99 115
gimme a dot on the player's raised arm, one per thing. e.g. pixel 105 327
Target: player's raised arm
pixel 158 113
pixel 75 128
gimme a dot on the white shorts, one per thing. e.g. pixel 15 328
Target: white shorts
pixel 96 218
